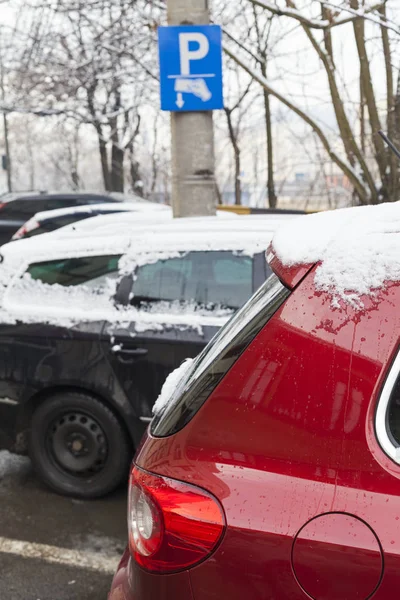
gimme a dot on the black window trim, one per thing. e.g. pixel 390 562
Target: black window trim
pixel 192 399
pixel 382 431
pixel 261 270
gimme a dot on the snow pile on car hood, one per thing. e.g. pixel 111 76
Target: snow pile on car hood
pixel 358 250
pixel 170 386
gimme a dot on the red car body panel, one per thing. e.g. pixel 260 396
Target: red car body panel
pixel 291 276
pixel 286 442
pixel 132 583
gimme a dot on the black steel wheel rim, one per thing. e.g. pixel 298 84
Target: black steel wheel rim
pixel 77 443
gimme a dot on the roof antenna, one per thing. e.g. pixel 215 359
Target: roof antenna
pixel 389 143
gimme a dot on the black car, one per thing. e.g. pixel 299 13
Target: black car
pixel 50 220
pixel 91 326
pixel 17 208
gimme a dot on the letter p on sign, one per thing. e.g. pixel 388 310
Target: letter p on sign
pixel 186 54
pixel 190 67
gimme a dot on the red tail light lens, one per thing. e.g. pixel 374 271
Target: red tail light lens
pixel 146 524
pixel 172 525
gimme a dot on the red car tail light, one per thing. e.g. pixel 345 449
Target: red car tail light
pixel 172 525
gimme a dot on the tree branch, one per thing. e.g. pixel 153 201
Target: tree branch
pixel 350 145
pixel 368 89
pixel 345 167
pixel 315 23
pixel 364 14
pixel 257 57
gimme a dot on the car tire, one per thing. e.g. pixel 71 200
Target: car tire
pixel 78 446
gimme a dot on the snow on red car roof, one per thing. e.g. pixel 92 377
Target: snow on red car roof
pixel 358 250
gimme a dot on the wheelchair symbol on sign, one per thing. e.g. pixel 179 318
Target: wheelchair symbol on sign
pixel 185 82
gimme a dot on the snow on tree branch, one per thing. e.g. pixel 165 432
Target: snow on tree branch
pixel 364 14
pixel 321 24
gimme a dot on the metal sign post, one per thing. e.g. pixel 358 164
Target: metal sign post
pixel 190 53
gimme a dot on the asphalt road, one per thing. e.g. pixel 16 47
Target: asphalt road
pixel 55 548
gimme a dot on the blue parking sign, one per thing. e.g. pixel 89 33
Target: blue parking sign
pixel 190 67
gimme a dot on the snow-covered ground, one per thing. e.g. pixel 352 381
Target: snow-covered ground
pixel 12 464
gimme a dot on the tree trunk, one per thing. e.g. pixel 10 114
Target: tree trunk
pixel 346 133
pixel 117 155
pixel 134 173
pixel 73 150
pixel 365 74
pixel 154 161
pixel 397 111
pixel 393 178
pixel 272 197
pixel 218 193
pixel 362 117
pixel 236 152
pixel 90 92
pixel 396 133
pixel 353 176
pixel 103 158
pixel 117 168
pixel 134 166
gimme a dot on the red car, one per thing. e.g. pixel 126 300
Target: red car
pixel 272 467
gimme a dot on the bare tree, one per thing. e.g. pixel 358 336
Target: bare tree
pixel 235 113
pixel 263 31
pixel 375 178
pixel 93 64
pixel 94 67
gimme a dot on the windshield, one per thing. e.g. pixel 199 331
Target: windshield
pixel 218 357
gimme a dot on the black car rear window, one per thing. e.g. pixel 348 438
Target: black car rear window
pixel 218 357
pixel 209 279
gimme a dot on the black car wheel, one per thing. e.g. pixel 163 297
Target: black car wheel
pixel 78 446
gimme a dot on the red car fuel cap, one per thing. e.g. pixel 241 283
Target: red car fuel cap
pixel 337 556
